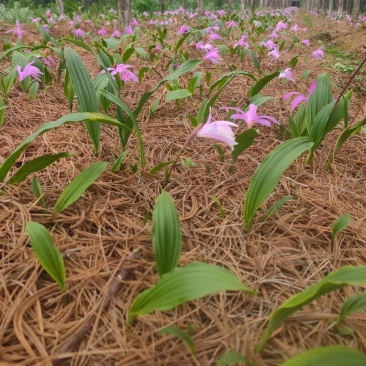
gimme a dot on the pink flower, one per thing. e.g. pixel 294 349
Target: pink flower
pixel 29 70
pixel 78 32
pixel 18 30
pixel 269 44
pixel 300 97
pixel 306 42
pixel 213 56
pixel 135 23
pixel 116 33
pixel 129 30
pixel 252 117
pixel 281 25
pixel 102 32
pixel 319 53
pixel 218 130
pixel 123 72
pixel 275 53
pixel 287 74
pixel 204 47
pixel 183 29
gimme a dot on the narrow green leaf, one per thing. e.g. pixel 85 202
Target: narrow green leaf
pixel 37 191
pixel 160 166
pixel 79 185
pixel 276 207
pixel 127 54
pixel 187 66
pixel 85 92
pixel 340 224
pixel 36 165
pixel 231 358
pixel 260 84
pixel 79 43
pixel 328 356
pixel 177 94
pixel 141 52
pixel 119 161
pixel 32 94
pixel 182 335
pixel 293 62
pixel 68 118
pixel 166 234
pixel 268 174
pixel 352 305
pixel 191 282
pixel 221 152
pixel 244 140
pixel 255 60
pixel 46 252
pixel 3 106
pixel 346 276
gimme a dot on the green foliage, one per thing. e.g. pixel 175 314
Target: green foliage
pixel 231 358
pixel 46 252
pixel 340 224
pixel 268 174
pixel 328 356
pixel 352 305
pixel 244 140
pixel 184 284
pixel 346 276
pixel 79 185
pixel 182 335
pixel 166 234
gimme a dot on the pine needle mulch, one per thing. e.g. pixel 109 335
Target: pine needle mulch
pixel 105 238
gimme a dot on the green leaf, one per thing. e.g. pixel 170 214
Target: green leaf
pixel 79 185
pixel 346 276
pixel 79 43
pixel 33 90
pixel 141 52
pixel 321 96
pixel 119 161
pixel 244 140
pixel 68 118
pixel 255 60
pixel 221 152
pixel 328 356
pixel 260 84
pixel 231 358
pixel 352 305
pixel 68 89
pixel 268 174
pixel 3 106
pixel 127 54
pixel 188 283
pixel 305 74
pixel 36 165
pixel 177 94
pixel 46 252
pixel 343 138
pixel 85 92
pixel 182 335
pixel 166 234
pixel 259 100
pixel 340 224
pixel 276 207
pixel 187 66
pixel 160 166
pixel 37 191
pixel 293 62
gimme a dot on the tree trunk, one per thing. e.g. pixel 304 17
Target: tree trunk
pixel 252 5
pixel 162 6
pixel 242 5
pixel 340 7
pixel 124 13
pixel 60 7
pixel 200 7
pixel 229 6
pixel 356 9
pixel 84 3
pixel 331 7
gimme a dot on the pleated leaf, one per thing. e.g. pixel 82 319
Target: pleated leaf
pixel 46 252
pixel 244 141
pixel 3 106
pixel 328 356
pixel 260 84
pixel 166 234
pixel 85 92
pixel 352 305
pixel 188 283
pixel 36 165
pixel 177 94
pixel 346 276
pixel 37 190
pixel 340 224
pixel 182 335
pixel 68 118
pixel 268 174
pixel 79 185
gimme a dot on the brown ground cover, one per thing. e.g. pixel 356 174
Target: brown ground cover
pixel 102 232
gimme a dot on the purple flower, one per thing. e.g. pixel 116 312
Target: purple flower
pixel 123 72
pixel 319 53
pixel 287 74
pixel 17 30
pixel 252 117
pixel 213 56
pixel 306 42
pixel 129 30
pixel 213 37
pixel 135 23
pixel 29 70
pixel 281 25
pixel 275 52
pixel 78 32
pixel 183 29
pixel 36 20
pixel 116 33
pixel 269 44
pixel 217 130
pixel 102 32
pixel 300 97
pixel 204 47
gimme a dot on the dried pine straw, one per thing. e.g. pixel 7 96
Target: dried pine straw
pixel 99 233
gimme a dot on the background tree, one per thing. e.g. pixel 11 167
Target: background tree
pixel 124 13
pixel 60 7
pixel 200 7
